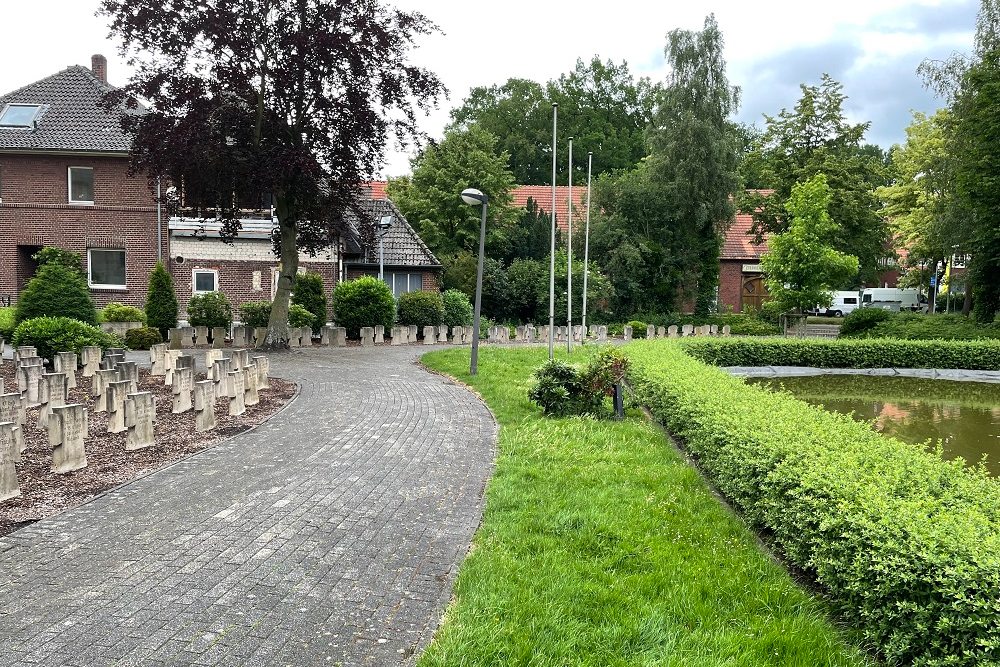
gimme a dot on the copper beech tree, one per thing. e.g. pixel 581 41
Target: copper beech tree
pixel 254 103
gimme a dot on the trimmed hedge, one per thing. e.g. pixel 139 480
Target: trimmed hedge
pixel 256 314
pixel 119 312
pixel 906 545
pixel 61 334
pixel 211 309
pixel 364 302
pixel 861 320
pixel 917 326
pixel 457 308
pixel 424 309
pixel 142 338
pixel 300 316
pixel 864 353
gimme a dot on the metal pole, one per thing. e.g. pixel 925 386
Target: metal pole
pixel 552 257
pixel 474 364
pixel 159 223
pixel 381 258
pixel 569 257
pixel 586 245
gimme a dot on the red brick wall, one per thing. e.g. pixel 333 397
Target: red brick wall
pixel 36 212
pixel 236 280
pixel 730 285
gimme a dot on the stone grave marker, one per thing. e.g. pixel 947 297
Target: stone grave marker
pixel 65 363
pixel 91 357
pixel 201 336
pixel 236 401
pixel 204 406
pixel 158 359
pixel 380 334
pixel 672 331
pixel 429 337
pixel 129 371
pixel 250 395
pixel 411 333
pixel 115 393
pixel 220 375
pixel 140 413
pixel 530 333
pixel 240 336
pixel 182 386
pixel 211 356
pixel 367 336
pixel 12 410
pixel 602 334
pixel 726 330
pixel 456 335
pixel 627 333
pixel 687 330
pixel 713 330
pixel 442 333
pixel 99 388
pixel 650 331
pixel 68 427
pixel 263 365
pixel 294 337
pixel 32 379
pixel 240 358
pixel 661 332
pixel 175 339
pixel 111 360
pixel 326 334
pixel 22 378
pixel 339 337
pixel 397 336
pixel 218 337
pixel 24 351
pixel 10 454
pixel 52 393
pixel 187 337
pixel 259 336
pixel 170 365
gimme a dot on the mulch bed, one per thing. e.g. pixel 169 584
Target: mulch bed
pixel 44 493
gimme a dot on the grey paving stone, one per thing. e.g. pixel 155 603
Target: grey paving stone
pixel 330 535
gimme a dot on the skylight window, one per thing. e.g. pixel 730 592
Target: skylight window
pixel 19 115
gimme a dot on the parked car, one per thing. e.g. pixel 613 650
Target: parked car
pixel 893 298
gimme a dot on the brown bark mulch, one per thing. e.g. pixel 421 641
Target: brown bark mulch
pixel 44 493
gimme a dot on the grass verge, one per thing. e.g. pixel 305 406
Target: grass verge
pixel 601 547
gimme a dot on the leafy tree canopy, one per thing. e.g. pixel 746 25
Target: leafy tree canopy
pixel 601 105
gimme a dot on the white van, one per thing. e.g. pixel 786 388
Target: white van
pixel 843 303
pixel 892 298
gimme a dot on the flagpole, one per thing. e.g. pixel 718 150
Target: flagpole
pixel 586 245
pixel 552 258
pixel 569 259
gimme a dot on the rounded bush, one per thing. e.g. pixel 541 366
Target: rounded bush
pixel 638 328
pixel 142 338
pixel 863 319
pixel 50 335
pixel 255 313
pixel 161 301
pixel 457 308
pixel 56 291
pixel 365 302
pixel 308 293
pixel 299 316
pixel 6 323
pixel 119 312
pixel 211 309
pixel 421 308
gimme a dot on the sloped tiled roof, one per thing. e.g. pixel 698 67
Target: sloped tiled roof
pixel 542 194
pixel 402 245
pixel 738 242
pixel 70 119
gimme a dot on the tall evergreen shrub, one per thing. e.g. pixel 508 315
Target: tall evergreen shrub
pixel 161 301
pixel 56 291
pixel 308 293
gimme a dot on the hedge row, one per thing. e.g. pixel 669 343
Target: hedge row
pixel 906 544
pixel 864 353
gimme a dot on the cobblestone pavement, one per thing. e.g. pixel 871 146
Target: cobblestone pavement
pixel 331 535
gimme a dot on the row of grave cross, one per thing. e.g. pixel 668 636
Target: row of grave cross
pixel 115 387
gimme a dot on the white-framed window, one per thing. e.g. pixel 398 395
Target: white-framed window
pixel 81 185
pixel 106 268
pixel 204 280
pixel 19 115
pixel 403 282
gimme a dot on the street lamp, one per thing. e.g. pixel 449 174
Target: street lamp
pixel 383 228
pixel 472 197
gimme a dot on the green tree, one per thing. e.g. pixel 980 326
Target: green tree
pixel 161 301
pixel 57 290
pixel 601 104
pixel 814 138
pixel 309 294
pixel 68 258
pixel 801 264
pixel 430 197
pixel 695 150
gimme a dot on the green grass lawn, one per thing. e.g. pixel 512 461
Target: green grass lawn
pixel 601 547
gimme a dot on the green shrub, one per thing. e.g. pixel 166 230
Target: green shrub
pixel 638 328
pixel 365 302
pixel 916 326
pixel 50 335
pixel 211 309
pixel 53 255
pixel 770 312
pixel 161 301
pixel 6 323
pixel 299 316
pixel 864 353
pixel 457 308
pixel 142 338
pixel 56 291
pixel 256 313
pixel 861 320
pixel 560 389
pixel 906 545
pixel 117 312
pixel 425 309
pixel 308 293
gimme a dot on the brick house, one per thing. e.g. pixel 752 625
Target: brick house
pixel 741 278
pixel 64 182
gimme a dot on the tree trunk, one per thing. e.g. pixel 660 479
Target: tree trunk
pixel 967 303
pixel 277 326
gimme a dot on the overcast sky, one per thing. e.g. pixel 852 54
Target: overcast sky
pixel 872 46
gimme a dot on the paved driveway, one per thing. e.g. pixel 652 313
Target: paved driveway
pixel 330 535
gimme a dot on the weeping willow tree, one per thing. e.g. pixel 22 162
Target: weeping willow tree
pixel 695 152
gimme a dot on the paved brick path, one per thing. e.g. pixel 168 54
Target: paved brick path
pixel 331 535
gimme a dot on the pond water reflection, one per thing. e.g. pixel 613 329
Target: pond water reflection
pixel 965 416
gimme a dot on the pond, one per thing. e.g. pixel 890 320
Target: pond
pixel 965 416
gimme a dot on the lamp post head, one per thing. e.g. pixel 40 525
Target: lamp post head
pixel 384 224
pixel 473 197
